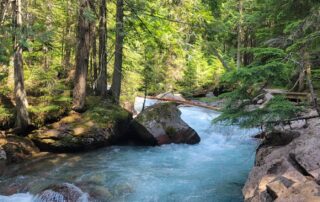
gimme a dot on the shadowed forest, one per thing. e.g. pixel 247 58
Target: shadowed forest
pixel 62 51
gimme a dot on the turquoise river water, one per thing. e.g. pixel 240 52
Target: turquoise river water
pixel 213 170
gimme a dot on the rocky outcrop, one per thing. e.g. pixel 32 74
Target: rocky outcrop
pixel 287 166
pixel 103 124
pixel 62 192
pixel 162 124
pixel 14 149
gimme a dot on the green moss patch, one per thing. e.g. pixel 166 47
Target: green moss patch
pixel 6 112
pixel 46 109
pixel 6 117
pixel 162 110
pixel 102 112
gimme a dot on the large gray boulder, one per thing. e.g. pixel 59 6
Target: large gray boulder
pixel 161 124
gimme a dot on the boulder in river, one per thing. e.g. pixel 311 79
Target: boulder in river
pixel 62 192
pixel 103 124
pixel 161 124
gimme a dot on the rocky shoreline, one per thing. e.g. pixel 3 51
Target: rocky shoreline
pixel 287 166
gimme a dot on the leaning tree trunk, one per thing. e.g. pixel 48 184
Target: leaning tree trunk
pixel 117 72
pixel 82 58
pixel 102 78
pixel 22 119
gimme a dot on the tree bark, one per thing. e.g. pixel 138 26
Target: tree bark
pixel 307 67
pixel 22 119
pixel 225 65
pixel 102 88
pixel 68 44
pixel 145 97
pixel 239 34
pixel 302 74
pixel 94 54
pixel 3 10
pixel 117 72
pixel 82 58
pixel 45 58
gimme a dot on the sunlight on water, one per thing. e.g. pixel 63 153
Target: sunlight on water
pixel 214 170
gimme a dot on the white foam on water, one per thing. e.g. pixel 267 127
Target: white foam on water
pixel 21 197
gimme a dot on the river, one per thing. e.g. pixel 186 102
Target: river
pixel 213 170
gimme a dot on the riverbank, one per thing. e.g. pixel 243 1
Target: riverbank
pixel 103 124
pixel 287 165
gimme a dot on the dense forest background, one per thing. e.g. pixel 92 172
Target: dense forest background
pixel 48 48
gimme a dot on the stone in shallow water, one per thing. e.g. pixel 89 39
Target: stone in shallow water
pixel 62 192
pixel 162 124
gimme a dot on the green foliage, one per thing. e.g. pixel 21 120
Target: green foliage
pixel 248 116
pixel 268 69
pixel 6 117
pixel 170 46
pixel 162 46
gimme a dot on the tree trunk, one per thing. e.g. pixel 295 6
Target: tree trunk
pixel 307 67
pixel 94 55
pixel 67 43
pixel 117 72
pixel 45 58
pixel 145 97
pixel 225 65
pixel 102 88
pixel 22 119
pixel 301 79
pixel 82 58
pixel 3 10
pixel 239 34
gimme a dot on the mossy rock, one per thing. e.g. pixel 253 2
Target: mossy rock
pixel 162 124
pixel 16 149
pixel 103 124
